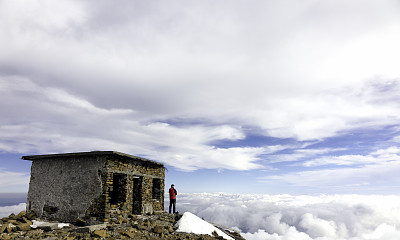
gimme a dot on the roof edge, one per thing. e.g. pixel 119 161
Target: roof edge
pixel 92 153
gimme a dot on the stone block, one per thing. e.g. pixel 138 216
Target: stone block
pixel 24 227
pixel 48 226
pixel 93 228
pixel 158 229
pixel 21 214
pixel 7 227
pixel 129 234
pixel 3 228
pixel 25 220
pixel 100 233
pixel 148 208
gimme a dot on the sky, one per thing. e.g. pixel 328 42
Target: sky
pixel 269 97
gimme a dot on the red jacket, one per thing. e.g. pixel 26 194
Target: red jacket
pixel 172 193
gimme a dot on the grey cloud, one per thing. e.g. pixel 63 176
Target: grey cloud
pixel 273 65
pixel 48 119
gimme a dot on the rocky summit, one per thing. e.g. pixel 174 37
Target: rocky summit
pixel 159 225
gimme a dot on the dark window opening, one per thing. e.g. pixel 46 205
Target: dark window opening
pixel 137 195
pixel 118 192
pixel 156 191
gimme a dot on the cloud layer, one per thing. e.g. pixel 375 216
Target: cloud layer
pixel 5 211
pixel 288 217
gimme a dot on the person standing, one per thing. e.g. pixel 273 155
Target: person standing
pixel 172 198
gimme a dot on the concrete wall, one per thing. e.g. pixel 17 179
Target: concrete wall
pixel 64 188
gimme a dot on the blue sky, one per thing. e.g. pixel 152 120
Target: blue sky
pixel 297 97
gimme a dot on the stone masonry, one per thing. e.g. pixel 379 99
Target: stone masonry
pixel 94 187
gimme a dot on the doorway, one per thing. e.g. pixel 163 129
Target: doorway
pixel 118 193
pixel 137 195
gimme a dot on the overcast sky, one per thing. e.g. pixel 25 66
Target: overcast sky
pixel 239 96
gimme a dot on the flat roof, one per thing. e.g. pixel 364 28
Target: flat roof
pixel 92 153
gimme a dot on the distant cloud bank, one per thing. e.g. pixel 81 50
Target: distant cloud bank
pixel 288 217
pixel 7 210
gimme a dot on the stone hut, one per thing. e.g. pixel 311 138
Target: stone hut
pixel 94 186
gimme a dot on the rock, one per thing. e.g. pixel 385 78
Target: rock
pixel 91 228
pixel 51 238
pixel 81 230
pixel 24 227
pixel 158 212
pixel 5 237
pixel 129 234
pixel 215 234
pixel 80 222
pixel 31 215
pixel 7 227
pixel 153 227
pixel 97 227
pixel 21 214
pixel 34 232
pixel 148 208
pixel 25 220
pixel 48 226
pixel 100 233
pixel 158 229
pixel 3 227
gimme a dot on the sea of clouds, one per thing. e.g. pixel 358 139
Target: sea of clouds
pixel 7 210
pixel 288 217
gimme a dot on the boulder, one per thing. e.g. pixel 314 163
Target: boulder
pixel 158 229
pixel 129 234
pixel 21 214
pixel 48 226
pixel 100 233
pixel 7 227
pixel 24 227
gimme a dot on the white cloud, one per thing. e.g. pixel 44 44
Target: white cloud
pixel 53 120
pixel 346 179
pixel 288 217
pixel 340 160
pixel 396 139
pixel 316 227
pixel 5 211
pixel 381 156
pixel 83 76
pixel 10 180
pixel 299 153
pixel 387 151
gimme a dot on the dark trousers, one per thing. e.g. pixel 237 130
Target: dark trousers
pixel 172 202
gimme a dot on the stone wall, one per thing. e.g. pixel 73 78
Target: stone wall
pixel 137 187
pixel 95 188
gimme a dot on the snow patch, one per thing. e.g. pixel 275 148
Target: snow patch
pixel 36 224
pixel 191 223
